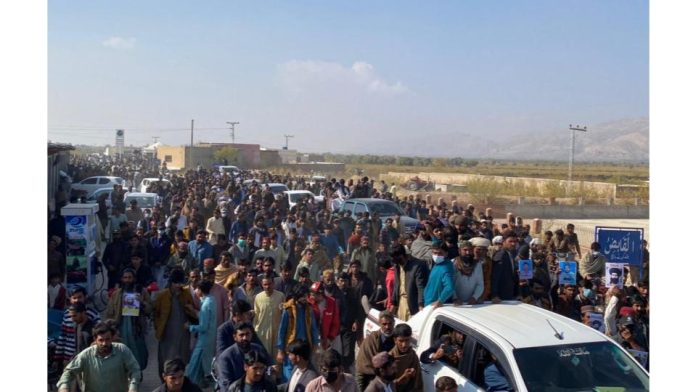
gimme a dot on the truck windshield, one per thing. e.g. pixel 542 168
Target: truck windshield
pixel 598 366
pixel 385 209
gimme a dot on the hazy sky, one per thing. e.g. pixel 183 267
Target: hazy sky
pixel 342 74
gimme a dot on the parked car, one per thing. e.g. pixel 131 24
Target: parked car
pixel 146 182
pixel 295 196
pixel 231 170
pixel 91 184
pixel 380 207
pixel 536 350
pixel 145 200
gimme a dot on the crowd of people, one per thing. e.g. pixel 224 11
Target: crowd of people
pixel 245 293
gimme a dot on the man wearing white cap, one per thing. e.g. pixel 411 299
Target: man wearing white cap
pixel 481 257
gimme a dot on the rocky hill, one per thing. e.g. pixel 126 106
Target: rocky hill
pixel 624 140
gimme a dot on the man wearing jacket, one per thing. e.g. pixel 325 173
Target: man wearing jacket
pixel 440 287
pixel 326 312
pixel 174 379
pixel 409 283
pixel 254 378
pixel 296 322
pixel 504 277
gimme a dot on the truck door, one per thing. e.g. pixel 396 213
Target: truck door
pixel 453 366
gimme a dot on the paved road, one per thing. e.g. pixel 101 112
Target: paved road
pixel 151 379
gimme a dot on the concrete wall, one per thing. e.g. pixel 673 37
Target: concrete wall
pixel 607 189
pixel 579 212
pixel 187 157
pixel 177 154
pixel 288 156
pixel 270 158
pixel 317 167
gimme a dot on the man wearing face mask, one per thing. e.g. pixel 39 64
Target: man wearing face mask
pixel 592 264
pixel 468 285
pixel 373 344
pixel 332 376
pixel 385 372
pixel 181 259
pixel 440 287
pixel 240 250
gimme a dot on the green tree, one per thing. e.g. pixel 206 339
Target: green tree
pixel 229 154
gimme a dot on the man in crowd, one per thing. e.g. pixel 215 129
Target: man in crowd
pixel 297 322
pixel 385 373
pixel 229 363
pixel 349 319
pixel 440 286
pixel 299 352
pixel 182 259
pixel 67 346
pixel 410 281
pixel 366 256
pixel 284 283
pixel 104 366
pixel 172 308
pixel 333 377
pixel 200 249
pixel 504 278
pixel 408 370
pixel 241 312
pixel 327 314
pixel 267 308
pixel 254 378
pixel 373 344
pixel 174 378
pixel 468 284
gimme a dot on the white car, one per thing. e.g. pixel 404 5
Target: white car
pixel 232 170
pixel 295 196
pixel 91 184
pixel 536 350
pixel 146 182
pixel 145 200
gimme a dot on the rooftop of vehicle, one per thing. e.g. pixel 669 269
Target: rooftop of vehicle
pixel 523 325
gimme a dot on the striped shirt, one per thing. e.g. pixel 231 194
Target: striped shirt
pixel 66 347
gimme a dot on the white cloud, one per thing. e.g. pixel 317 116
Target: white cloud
pixel 312 76
pixel 119 43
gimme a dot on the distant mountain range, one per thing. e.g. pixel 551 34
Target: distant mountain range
pixel 624 140
pixel 616 141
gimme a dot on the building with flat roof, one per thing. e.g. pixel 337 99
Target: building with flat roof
pixel 189 157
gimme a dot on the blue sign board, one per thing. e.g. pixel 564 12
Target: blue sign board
pixel 621 245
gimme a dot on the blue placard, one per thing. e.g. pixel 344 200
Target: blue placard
pixel 621 245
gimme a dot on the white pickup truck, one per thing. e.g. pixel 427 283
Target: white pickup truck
pixel 536 350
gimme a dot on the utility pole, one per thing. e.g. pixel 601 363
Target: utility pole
pixel 286 141
pixel 232 124
pixel 572 153
pixel 155 139
pixel 191 132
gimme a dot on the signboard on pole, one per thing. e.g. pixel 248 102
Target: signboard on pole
pixel 621 245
